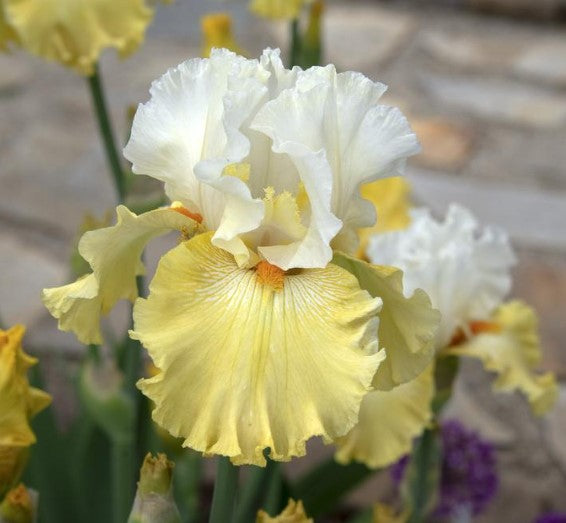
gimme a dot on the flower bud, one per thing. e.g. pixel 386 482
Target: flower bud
pixel 101 392
pixel 294 513
pixel 12 462
pixel 154 501
pixel 19 506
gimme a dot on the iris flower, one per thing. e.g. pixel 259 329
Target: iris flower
pixel 264 330
pixel 466 273
pixel 285 9
pixel 18 404
pixel 75 32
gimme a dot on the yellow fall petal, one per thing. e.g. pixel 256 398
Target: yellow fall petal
pixel 514 353
pixel 75 32
pixel 254 360
pixel 389 421
pixel 390 197
pixel 114 255
pixel 294 512
pixel 407 326
pixel 217 32
pixel 18 401
pixel 286 9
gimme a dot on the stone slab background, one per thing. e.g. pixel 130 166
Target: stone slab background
pixel 487 97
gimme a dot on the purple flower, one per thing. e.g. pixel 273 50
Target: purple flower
pixel 552 517
pixel 468 479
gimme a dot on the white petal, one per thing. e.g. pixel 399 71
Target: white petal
pixel 465 273
pixel 338 114
pixel 186 121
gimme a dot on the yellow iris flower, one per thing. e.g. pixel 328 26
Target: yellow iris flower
pixel 474 323
pixel 286 9
pixel 264 333
pixel 392 203
pixel 509 345
pixel 18 404
pixel 294 512
pixel 75 32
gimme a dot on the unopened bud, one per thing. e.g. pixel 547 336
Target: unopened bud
pixel 19 506
pixel 12 462
pixel 154 501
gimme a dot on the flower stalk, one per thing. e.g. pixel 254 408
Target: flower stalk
pixel 295 50
pixel 225 490
pixel 106 133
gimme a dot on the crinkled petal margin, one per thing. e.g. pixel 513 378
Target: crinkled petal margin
pixel 18 401
pixel 75 32
pixel 407 326
pixel 514 353
pixel 244 366
pixel 389 421
pixel 114 253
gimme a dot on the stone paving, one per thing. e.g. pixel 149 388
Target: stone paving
pixel 487 97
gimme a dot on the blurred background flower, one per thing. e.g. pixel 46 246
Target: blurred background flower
pixel 468 474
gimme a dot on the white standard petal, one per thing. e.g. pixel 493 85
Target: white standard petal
pixel 465 271
pixel 186 122
pixel 338 115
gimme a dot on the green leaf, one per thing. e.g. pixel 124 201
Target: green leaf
pixel 422 479
pixel 322 488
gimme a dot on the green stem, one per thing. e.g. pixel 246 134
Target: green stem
pixel 250 497
pixel 123 470
pixel 272 504
pixel 225 489
pixel 323 487
pixel 423 476
pixel 106 133
pixel 94 352
pixel 295 43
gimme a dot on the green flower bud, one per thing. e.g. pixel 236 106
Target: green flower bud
pixel 154 501
pixel 103 397
pixel 13 459
pixel 19 506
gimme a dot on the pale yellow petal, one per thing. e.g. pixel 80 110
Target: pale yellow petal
pixel 252 360
pixel 514 353
pixel 407 326
pixel 390 197
pixel 286 9
pixel 114 255
pixel 294 512
pixel 389 421
pixel 75 32
pixel 281 224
